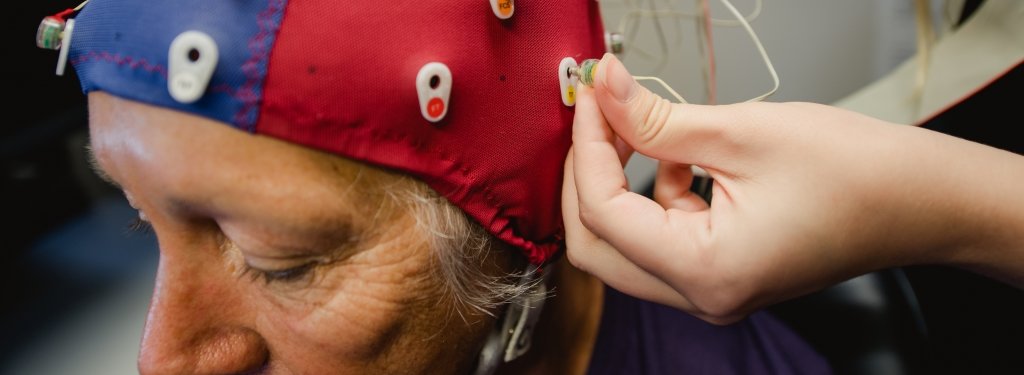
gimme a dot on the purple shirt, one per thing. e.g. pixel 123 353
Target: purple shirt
pixel 639 337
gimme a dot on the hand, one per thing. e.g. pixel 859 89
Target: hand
pixel 804 196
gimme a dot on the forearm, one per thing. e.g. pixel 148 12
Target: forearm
pixel 972 197
pixel 994 213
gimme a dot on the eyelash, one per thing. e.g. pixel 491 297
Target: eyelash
pixel 280 276
pixel 137 225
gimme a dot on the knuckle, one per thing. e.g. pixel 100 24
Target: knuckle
pixel 722 306
pixel 653 118
pixel 588 216
pixel 579 246
pixel 572 253
pixel 721 294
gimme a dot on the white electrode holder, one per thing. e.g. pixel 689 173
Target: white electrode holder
pixel 192 58
pixel 503 9
pixel 567 81
pixel 434 88
pixel 65 46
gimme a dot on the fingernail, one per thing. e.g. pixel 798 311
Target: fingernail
pixel 617 79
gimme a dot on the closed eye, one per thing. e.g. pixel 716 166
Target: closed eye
pixel 283 276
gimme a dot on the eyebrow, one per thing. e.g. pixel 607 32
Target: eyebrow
pixel 94 164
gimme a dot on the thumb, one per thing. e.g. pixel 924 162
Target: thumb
pixel 681 133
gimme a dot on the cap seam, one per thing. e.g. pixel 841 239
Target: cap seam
pixel 121 60
pixel 269 22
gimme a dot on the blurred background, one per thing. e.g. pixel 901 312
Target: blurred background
pixel 75 280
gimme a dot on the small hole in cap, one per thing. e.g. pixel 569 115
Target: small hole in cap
pixel 193 55
pixel 435 81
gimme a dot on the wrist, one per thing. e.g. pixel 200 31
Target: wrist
pixel 973 208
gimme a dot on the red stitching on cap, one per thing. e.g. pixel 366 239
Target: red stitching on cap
pixel 130 62
pixel 257 45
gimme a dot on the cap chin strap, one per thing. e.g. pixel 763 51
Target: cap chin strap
pixel 511 339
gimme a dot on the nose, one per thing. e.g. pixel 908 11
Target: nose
pixel 197 324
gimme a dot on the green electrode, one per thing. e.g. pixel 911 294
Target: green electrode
pixel 585 71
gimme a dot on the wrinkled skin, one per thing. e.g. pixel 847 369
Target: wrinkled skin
pixel 351 288
pixel 277 259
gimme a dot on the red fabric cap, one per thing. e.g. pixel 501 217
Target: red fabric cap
pixel 342 78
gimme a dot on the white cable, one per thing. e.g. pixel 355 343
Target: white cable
pixel 664 85
pixel 633 33
pixel 637 12
pixel 760 48
pixel 740 20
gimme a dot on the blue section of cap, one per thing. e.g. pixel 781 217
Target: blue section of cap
pixel 121 47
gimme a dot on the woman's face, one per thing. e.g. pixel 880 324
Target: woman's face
pixel 275 258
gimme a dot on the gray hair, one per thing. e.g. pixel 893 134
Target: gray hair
pixel 462 249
